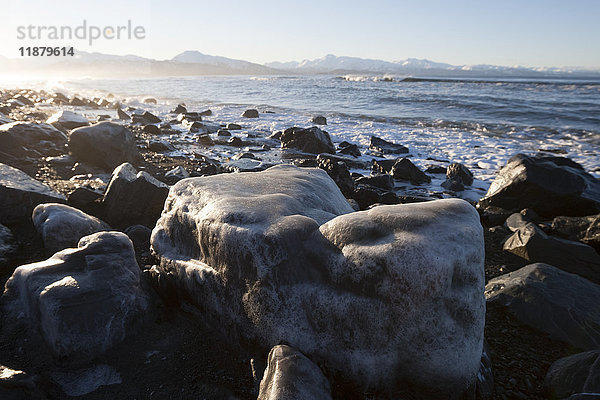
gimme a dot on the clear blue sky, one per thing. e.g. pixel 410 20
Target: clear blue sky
pixel 502 32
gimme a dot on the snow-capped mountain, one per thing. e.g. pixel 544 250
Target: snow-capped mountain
pixel 416 67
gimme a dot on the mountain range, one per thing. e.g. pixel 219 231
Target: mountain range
pixel 196 63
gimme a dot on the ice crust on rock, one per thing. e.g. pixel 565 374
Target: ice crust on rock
pixel 82 300
pixel 382 297
pixel 62 226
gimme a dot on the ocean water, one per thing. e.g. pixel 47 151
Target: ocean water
pixel 480 123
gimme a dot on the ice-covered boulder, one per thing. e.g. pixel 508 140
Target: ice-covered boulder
pixel 105 144
pixel 550 185
pixel 7 244
pixel 82 300
pixel 133 197
pixel 20 193
pixel 381 297
pixel 62 226
pixel 292 376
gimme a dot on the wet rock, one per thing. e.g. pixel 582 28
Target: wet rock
pixel 532 244
pixel 349 161
pixel 553 301
pixel 493 216
pixel 205 113
pixel 42 137
pixel 350 149
pixel 180 109
pixel 223 132
pixel 368 195
pixel 233 127
pixel 459 172
pixel 246 165
pixel 435 169
pixel 160 146
pixel 319 120
pixel 62 226
pixel 67 120
pixel 384 147
pixel 189 117
pixel 551 186
pixel 383 181
pixel 149 100
pixel 235 141
pixel 312 140
pixel 19 194
pixel 382 166
pixel 292 376
pixel 133 198
pixel 579 373
pixel 250 113
pixel 583 229
pixel 454 185
pixel 176 174
pixel 516 221
pixel 205 140
pixel 151 129
pixel 405 170
pixel 279 256
pixel 105 144
pixel 151 118
pixel 24 100
pixel 339 173
pixel 122 115
pixel 83 300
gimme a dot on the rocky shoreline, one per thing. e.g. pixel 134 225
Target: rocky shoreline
pixel 281 263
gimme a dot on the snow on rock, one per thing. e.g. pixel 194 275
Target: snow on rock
pixel 381 297
pixel 62 226
pixel 292 376
pixel 82 300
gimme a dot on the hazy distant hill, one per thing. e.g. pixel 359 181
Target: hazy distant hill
pixel 196 63
pixel 418 67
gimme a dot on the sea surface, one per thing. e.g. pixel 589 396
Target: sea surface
pixel 479 122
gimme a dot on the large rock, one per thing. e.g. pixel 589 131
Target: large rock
pixel 579 373
pixel 20 193
pixel 312 140
pixel 532 244
pixel 67 120
pixel 292 376
pixel 42 137
pixel 133 197
pixel 276 256
pixel 105 144
pixel 561 304
pixel 82 300
pixel 62 226
pixel 552 186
